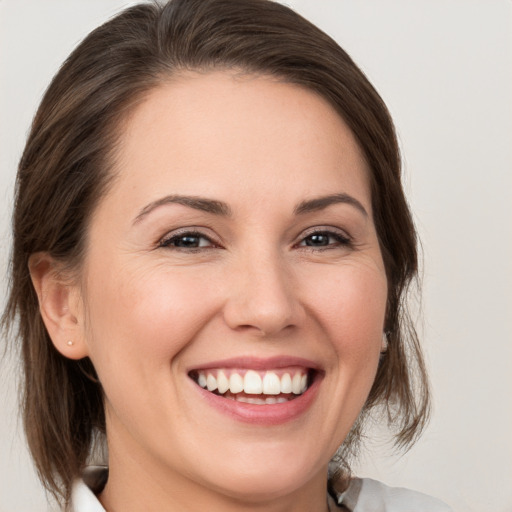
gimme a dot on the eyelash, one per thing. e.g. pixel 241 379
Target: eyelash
pixel 341 240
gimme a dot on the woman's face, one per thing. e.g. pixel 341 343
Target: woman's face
pixel 235 250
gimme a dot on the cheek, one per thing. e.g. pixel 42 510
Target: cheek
pixel 351 307
pixel 348 306
pixel 146 318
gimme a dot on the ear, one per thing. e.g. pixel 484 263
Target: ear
pixel 60 305
pixel 384 343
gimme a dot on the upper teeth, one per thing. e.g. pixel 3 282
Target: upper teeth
pixel 254 383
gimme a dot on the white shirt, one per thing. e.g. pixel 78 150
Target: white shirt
pixel 363 495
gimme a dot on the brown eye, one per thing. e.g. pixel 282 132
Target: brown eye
pixel 317 240
pixel 187 241
pixel 324 239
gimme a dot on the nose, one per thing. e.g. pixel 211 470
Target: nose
pixel 262 296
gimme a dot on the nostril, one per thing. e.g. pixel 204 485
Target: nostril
pixel 264 322
pixel 263 330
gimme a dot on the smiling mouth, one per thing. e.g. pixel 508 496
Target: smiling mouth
pixel 255 387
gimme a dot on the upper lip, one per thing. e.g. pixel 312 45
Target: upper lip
pixel 257 363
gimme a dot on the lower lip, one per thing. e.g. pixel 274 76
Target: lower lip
pixel 264 414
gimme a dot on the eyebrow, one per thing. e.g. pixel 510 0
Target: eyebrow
pixel 198 203
pixel 216 207
pixel 319 203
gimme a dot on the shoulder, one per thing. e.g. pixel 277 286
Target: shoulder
pixel 367 495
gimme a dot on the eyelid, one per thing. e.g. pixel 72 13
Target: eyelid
pixel 325 229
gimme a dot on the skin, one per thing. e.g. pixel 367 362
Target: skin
pixel 146 313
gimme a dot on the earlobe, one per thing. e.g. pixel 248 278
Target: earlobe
pixel 59 305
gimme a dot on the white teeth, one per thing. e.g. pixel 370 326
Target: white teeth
pixel 271 384
pixel 296 384
pixel 286 383
pixel 236 383
pixel 303 383
pixel 222 382
pixel 211 382
pixel 252 383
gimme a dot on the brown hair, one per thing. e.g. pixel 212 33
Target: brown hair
pixel 66 168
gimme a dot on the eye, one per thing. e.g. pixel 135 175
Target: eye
pixel 324 240
pixel 187 240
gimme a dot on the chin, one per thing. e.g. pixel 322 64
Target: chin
pixel 258 476
pixel 262 486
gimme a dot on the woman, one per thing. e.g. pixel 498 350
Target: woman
pixel 209 205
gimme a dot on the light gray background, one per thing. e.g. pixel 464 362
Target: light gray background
pixel 445 69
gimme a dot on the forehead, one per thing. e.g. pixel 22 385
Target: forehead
pixel 219 134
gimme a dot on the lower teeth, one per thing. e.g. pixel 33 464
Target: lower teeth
pixel 258 400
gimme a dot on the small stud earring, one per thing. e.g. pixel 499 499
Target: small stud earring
pixel 70 343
